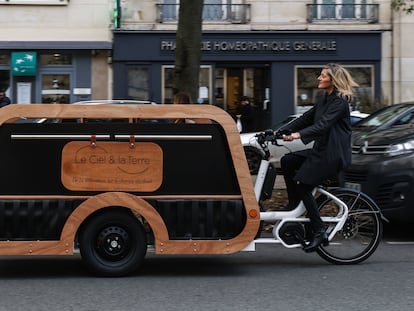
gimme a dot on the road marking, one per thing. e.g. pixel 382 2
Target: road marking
pixel 400 243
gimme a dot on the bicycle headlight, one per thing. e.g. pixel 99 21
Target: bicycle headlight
pixel 399 149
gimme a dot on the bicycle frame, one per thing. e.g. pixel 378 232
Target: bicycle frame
pixel 279 218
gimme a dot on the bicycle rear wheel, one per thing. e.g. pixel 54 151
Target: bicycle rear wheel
pixel 361 233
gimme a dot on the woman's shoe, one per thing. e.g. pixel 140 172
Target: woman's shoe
pixel 319 238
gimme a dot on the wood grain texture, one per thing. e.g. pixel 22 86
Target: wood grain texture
pixel 138 204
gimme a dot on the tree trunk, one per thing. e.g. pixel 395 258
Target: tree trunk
pixel 188 52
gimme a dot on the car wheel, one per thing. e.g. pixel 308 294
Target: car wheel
pixel 254 157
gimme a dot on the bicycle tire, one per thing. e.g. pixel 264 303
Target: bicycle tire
pixel 362 232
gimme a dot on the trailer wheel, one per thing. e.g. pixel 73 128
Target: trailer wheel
pixel 113 243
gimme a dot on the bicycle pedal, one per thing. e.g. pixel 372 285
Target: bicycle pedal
pixel 300 239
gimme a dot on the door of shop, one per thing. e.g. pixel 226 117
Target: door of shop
pixel 232 83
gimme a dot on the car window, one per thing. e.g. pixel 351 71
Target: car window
pixel 405 119
pixel 355 119
pixel 115 102
pixel 382 116
pixel 29 120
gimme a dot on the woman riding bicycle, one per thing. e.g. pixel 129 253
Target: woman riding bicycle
pixel 328 125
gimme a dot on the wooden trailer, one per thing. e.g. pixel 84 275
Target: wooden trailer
pixel 113 180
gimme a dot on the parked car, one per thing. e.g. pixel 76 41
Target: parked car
pixel 386 117
pixel 254 153
pixel 115 102
pixel 383 168
pixel 357 116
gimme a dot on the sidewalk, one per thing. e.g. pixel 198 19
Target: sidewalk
pixel 279 183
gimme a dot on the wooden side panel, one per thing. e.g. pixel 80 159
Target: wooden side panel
pixel 99 198
pixel 36 248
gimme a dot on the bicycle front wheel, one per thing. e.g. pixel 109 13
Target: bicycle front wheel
pixel 361 233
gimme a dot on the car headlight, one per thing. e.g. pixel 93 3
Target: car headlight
pixel 399 149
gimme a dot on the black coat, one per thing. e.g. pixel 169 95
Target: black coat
pixel 4 101
pixel 247 113
pixel 328 124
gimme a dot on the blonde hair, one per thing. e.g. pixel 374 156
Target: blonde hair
pixel 341 80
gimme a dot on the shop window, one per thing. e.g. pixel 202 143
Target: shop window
pixel 4 59
pixel 232 83
pixel 220 91
pixel 307 92
pixel 204 96
pixel 138 83
pixel 4 80
pixel 56 88
pixel 205 82
pixel 55 59
pixel 5 73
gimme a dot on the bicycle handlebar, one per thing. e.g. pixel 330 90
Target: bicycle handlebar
pixel 270 136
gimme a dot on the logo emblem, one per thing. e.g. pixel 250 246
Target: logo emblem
pixel 364 147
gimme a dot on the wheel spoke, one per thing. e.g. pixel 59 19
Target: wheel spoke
pixel 361 233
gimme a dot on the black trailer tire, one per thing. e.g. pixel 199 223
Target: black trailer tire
pixel 113 243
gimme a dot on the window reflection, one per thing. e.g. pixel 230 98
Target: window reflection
pixel 55 59
pixel 205 81
pixel 307 91
pixel 138 83
pixel 4 59
pixel 56 88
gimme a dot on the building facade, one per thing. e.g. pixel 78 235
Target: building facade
pixel 278 71
pixel 271 51
pixel 55 51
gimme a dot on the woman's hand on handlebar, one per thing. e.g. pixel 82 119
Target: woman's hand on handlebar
pixel 282 133
pixel 272 136
pixel 291 137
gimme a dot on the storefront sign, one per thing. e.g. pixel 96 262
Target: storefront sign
pixel 260 46
pixel 276 46
pixel 112 166
pixel 82 91
pixel 24 63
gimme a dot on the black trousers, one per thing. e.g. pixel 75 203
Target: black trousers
pixel 297 191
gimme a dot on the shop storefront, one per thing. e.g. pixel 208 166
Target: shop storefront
pixel 54 72
pixel 277 70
